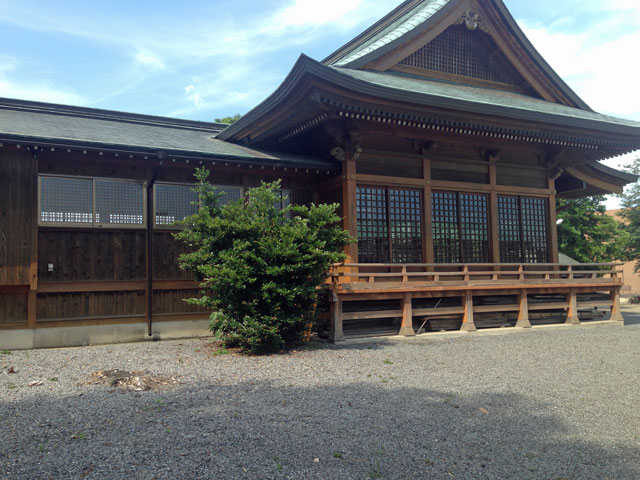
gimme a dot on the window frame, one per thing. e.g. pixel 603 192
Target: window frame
pixel 93 224
pixel 461 251
pixel 523 242
pixel 389 246
pixel 173 226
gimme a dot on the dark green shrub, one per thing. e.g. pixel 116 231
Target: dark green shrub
pixel 259 265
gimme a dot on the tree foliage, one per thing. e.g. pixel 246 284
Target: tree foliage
pixel 586 233
pixel 259 265
pixel 631 215
pixel 228 120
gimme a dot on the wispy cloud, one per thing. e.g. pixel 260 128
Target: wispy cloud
pixel 147 59
pixel 12 85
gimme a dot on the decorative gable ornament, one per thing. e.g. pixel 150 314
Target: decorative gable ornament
pixel 471 20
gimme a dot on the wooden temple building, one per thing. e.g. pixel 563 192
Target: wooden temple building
pixel 442 133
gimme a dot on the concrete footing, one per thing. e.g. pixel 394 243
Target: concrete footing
pixel 100 334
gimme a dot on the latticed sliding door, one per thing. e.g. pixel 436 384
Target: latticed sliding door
pixel 523 223
pixel 405 219
pixel 373 225
pixel 459 224
pixel 389 225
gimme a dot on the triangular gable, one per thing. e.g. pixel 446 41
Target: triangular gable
pixel 462 52
pixel 426 34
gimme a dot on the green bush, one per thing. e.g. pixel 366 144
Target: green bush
pixel 259 265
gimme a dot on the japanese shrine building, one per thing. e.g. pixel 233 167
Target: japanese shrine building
pixel 442 133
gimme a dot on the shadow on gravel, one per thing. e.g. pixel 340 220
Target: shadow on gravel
pixel 631 314
pixel 254 430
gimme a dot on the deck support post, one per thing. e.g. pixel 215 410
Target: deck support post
pixel 572 312
pixel 406 328
pixel 336 334
pixel 467 318
pixel 616 314
pixel 523 312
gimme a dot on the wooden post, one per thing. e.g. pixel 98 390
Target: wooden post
pixel 572 312
pixel 616 314
pixel 523 312
pixel 428 225
pixel 494 227
pixel 349 205
pixel 33 268
pixel 467 318
pixel 336 334
pixel 553 228
pixel 406 328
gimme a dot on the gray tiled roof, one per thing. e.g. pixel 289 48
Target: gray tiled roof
pixel 35 122
pixel 407 22
pixel 479 96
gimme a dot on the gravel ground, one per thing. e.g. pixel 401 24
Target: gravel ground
pixel 547 403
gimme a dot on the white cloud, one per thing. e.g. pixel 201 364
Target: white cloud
pixel 149 60
pixel 40 91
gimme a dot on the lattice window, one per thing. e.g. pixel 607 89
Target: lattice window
pixel 523 229
pixel 534 229
pixel 295 197
pixel 405 213
pixel 470 53
pixel 373 225
pixel 173 203
pixel 510 229
pixel 459 224
pixel 66 200
pixel 445 227
pixel 119 202
pixel 473 228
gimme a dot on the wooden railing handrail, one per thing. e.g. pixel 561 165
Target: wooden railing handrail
pixel 401 265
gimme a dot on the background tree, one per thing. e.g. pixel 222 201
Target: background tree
pixel 228 120
pixel 587 234
pixel 260 265
pixel 631 215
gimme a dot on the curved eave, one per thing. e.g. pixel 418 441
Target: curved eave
pixel 597 179
pixel 347 83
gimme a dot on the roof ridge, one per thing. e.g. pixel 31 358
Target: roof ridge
pixel 103 114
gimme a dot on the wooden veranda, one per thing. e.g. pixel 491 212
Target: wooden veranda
pixel 511 284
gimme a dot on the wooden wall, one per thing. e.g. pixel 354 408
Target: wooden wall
pixel 18 201
pixel 92 276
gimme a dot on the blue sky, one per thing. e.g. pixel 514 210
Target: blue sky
pixel 206 59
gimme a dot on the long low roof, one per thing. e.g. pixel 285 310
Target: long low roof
pixel 60 125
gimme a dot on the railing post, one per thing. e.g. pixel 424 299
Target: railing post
pixel 406 328
pixel 466 273
pixel 572 312
pixel 336 334
pixel 616 314
pixel 467 318
pixel 521 273
pixel 523 312
pixel 404 274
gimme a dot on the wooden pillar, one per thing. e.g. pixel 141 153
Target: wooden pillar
pixel 494 227
pixel 467 318
pixel 349 205
pixel 616 314
pixel 406 328
pixel 336 334
pixel 572 312
pixel 523 312
pixel 33 269
pixel 553 228
pixel 428 225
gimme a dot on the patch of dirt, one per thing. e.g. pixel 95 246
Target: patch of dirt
pixel 134 381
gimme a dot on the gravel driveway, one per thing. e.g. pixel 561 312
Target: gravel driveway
pixel 548 403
